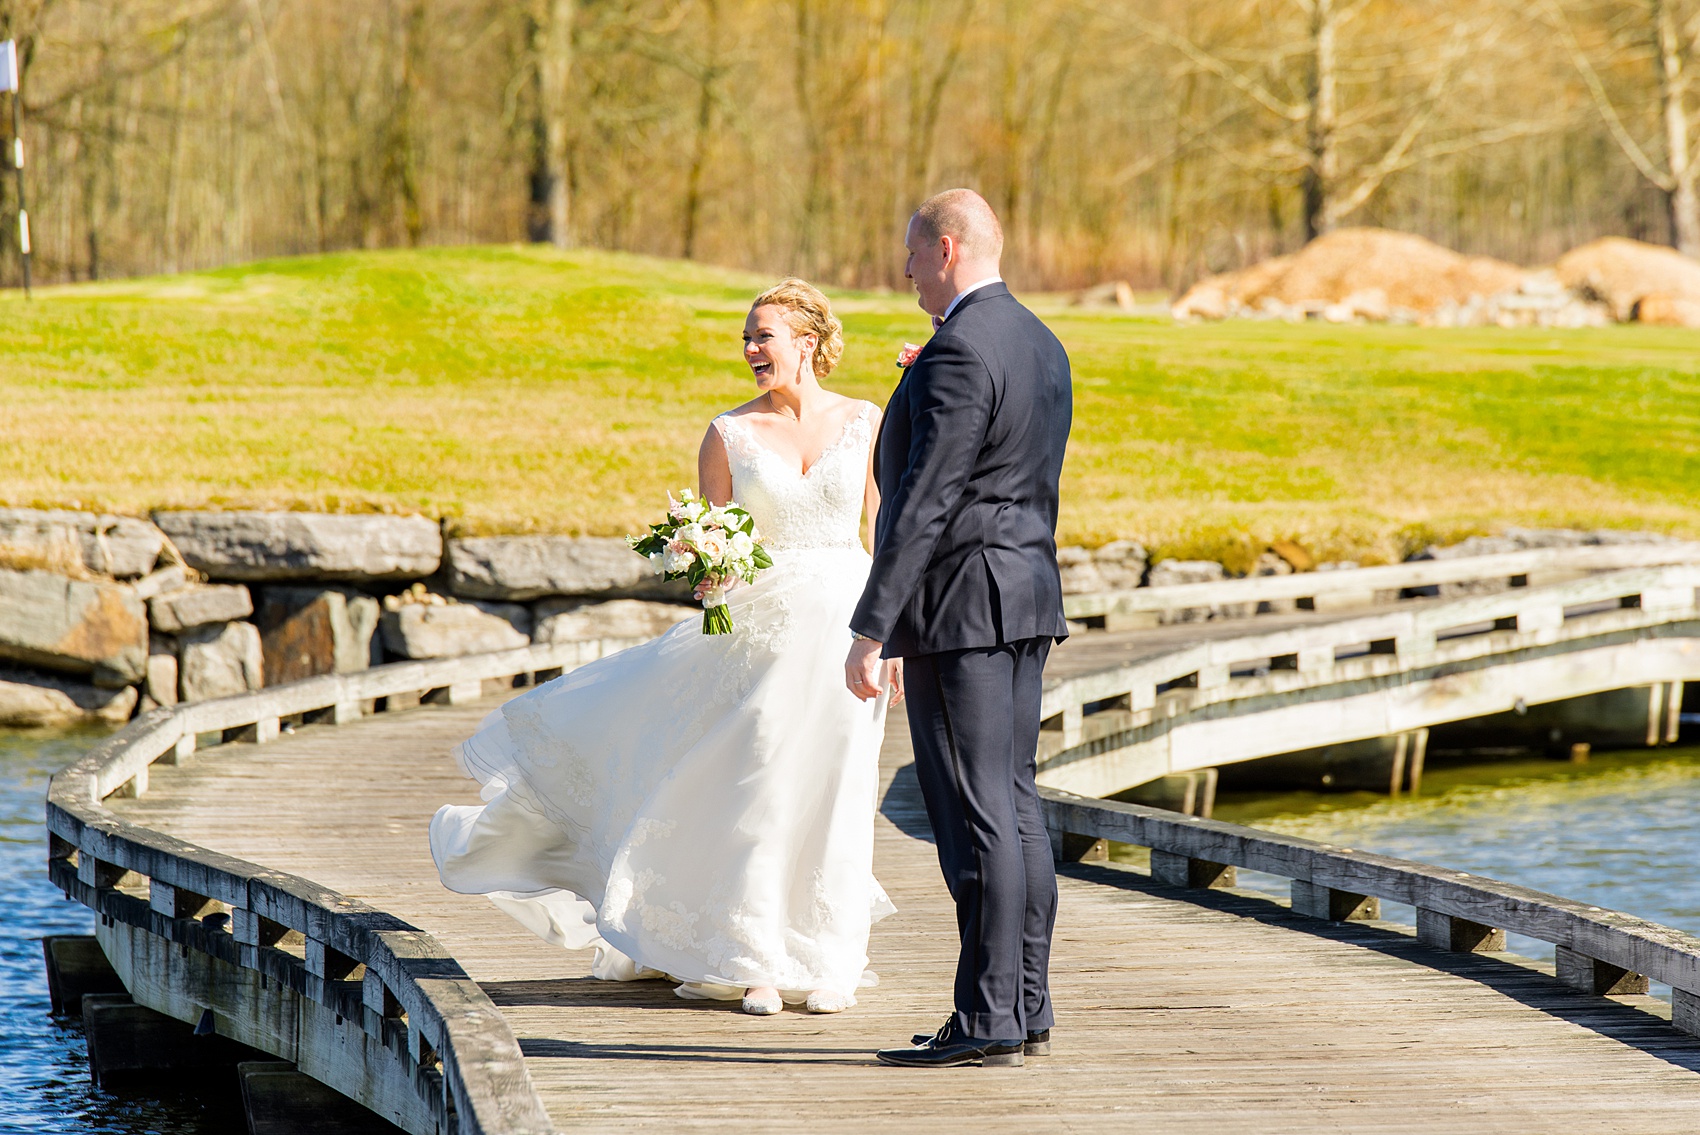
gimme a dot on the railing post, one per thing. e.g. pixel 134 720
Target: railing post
pixel 180 752
pixel 1174 870
pixel 174 902
pixel 1067 847
pixel 1685 1011
pixel 1316 901
pixel 1073 725
pixel 1444 932
pixel 1591 975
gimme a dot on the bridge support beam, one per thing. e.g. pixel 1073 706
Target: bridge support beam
pixel 1591 975
pixel 76 968
pixel 1192 793
pixel 131 1046
pixel 1314 901
pixel 282 1101
pixel 1444 932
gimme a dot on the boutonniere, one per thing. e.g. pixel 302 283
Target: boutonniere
pixel 907 355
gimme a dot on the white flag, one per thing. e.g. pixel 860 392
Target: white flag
pixel 8 66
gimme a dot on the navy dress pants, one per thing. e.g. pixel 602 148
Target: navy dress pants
pixel 974 720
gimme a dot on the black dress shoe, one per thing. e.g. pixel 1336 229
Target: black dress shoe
pixel 1037 1044
pixel 955 1050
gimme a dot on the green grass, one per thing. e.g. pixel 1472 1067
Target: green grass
pixel 520 389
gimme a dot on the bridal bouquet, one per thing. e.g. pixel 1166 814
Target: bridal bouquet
pixel 710 545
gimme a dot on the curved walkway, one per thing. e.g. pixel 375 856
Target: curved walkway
pixel 1178 1011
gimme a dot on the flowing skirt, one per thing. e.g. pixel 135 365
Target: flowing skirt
pixel 700 806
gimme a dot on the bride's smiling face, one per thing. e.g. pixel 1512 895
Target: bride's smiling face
pixel 777 355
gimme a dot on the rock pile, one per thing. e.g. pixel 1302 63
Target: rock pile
pixel 1635 281
pixel 1376 276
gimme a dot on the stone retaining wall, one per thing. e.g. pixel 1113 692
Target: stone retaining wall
pixel 102 617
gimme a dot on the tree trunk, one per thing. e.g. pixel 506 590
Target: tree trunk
pixel 1682 198
pixel 174 170
pixel 705 125
pixel 552 48
pixel 1321 168
pixel 404 140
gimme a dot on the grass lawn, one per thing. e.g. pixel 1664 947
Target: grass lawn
pixel 520 389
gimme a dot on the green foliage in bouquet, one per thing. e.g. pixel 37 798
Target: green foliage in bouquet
pixel 710 546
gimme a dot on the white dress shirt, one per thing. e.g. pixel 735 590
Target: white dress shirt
pixel 964 293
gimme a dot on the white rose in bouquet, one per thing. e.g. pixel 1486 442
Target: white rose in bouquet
pixel 677 559
pixel 741 546
pixel 712 545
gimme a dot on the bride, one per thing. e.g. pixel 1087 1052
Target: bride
pixel 701 807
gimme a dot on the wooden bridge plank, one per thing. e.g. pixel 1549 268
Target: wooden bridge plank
pixel 1224 1014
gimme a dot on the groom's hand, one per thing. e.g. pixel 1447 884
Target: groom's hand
pixel 862 669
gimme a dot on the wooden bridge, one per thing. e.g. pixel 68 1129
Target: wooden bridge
pixel 282 894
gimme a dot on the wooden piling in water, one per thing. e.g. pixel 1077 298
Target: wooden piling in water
pixel 76 968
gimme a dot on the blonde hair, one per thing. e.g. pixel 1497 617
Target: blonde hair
pixel 808 312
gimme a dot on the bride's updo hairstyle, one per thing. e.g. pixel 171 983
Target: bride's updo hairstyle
pixel 808 312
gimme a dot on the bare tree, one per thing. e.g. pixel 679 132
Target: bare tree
pixel 1658 40
pixel 1348 113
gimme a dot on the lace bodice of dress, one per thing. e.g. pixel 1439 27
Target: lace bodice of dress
pixel 818 509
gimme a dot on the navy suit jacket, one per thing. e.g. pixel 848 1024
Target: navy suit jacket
pixel 968 460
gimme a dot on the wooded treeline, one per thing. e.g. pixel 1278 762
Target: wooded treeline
pixel 1152 140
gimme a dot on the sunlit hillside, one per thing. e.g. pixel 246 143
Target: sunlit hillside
pixel 521 389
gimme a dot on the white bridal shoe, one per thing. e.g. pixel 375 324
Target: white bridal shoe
pixel 826 1001
pixel 764 1006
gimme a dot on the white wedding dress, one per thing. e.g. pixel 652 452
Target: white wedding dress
pixel 702 807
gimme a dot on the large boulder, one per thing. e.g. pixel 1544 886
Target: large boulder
pixel 75 542
pixel 1358 272
pixel 1117 566
pixel 306 631
pixel 161 683
pixel 33 700
pixel 1169 573
pixel 219 660
pixel 427 630
pixel 187 607
pixel 73 625
pixel 1636 280
pixel 522 568
pixel 269 547
pixel 567 620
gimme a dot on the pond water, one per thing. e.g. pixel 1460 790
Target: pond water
pixel 1619 831
pixel 44 1080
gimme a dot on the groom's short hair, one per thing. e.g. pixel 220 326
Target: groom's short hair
pixel 963 214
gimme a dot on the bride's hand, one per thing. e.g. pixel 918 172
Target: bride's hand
pixel 711 582
pixel 894 679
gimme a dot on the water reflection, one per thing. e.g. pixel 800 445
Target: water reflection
pixel 44 1083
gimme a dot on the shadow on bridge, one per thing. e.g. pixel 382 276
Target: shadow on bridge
pixel 539 1048
pixel 1518 980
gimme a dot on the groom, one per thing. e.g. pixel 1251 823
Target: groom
pixel 965 589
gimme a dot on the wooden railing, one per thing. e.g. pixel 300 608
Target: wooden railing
pixel 409 994
pixel 1598 951
pixel 1362 586
pixel 1297 658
